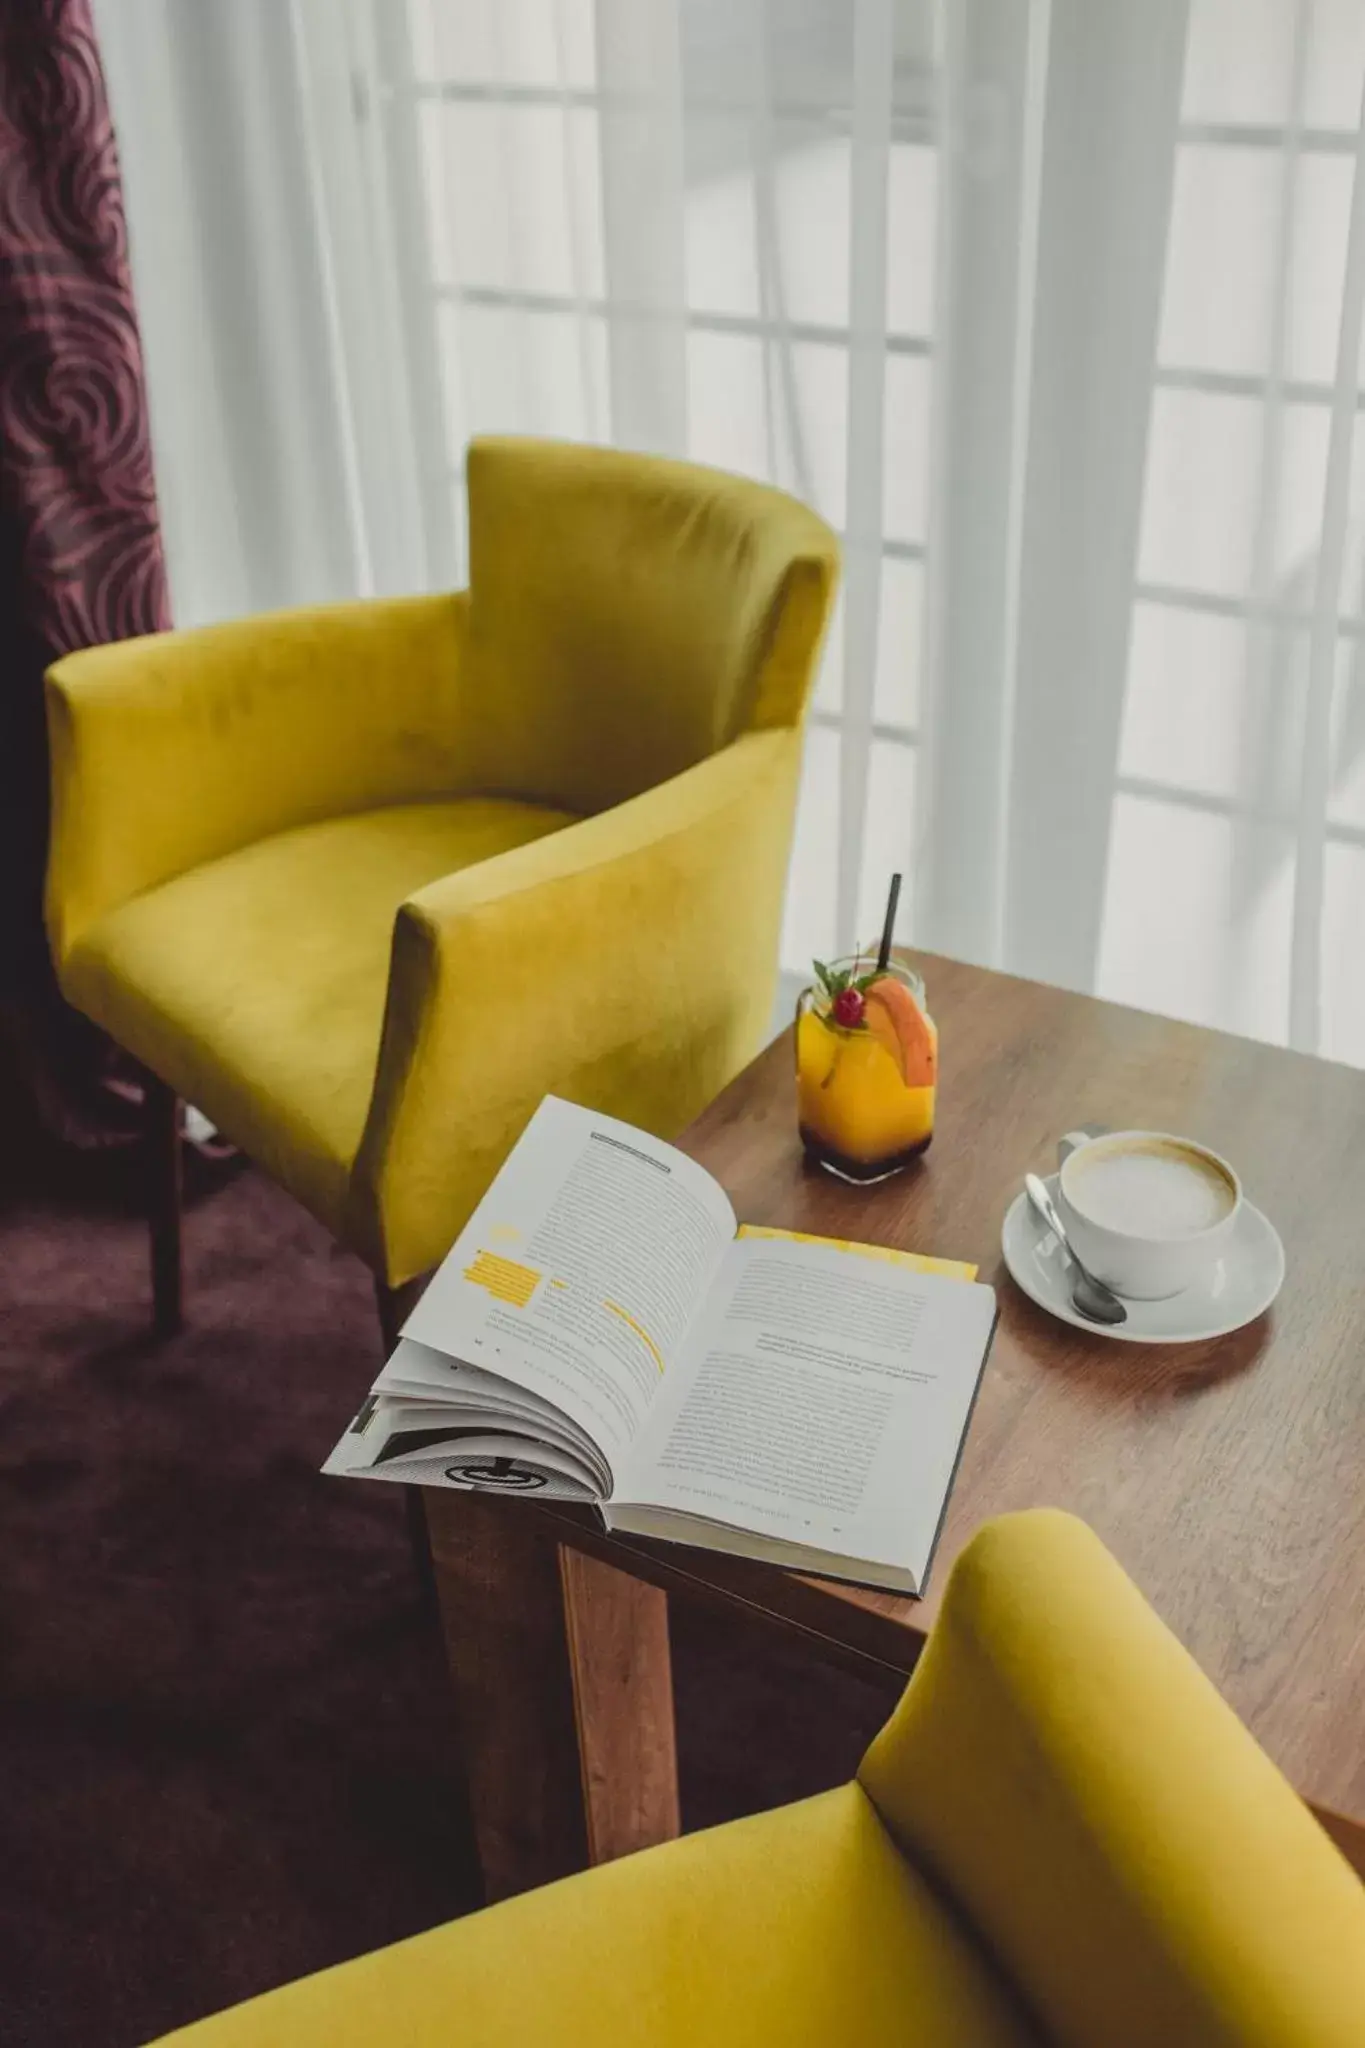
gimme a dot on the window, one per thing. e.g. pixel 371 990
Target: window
pixel 1216 738
pixel 1044 308
pixel 545 315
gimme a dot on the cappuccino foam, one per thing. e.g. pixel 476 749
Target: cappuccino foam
pixel 1150 1188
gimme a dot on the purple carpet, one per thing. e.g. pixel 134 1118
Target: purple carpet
pixel 226 1753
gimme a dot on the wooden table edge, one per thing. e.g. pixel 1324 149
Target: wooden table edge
pixel 658 1566
pixel 887 1649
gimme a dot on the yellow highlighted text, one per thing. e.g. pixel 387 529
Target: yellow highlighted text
pixel 645 1339
pixel 505 1279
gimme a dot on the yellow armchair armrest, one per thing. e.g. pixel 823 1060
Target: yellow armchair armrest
pixel 175 749
pixel 1136 1863
pixel 627 963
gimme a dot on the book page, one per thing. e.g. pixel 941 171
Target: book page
pixel 821 1399
pixel 417 1376
pixel 579 1273
pixel 448 1445
pixel 885 1254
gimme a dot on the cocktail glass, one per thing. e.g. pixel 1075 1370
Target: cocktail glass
pixel 866 1089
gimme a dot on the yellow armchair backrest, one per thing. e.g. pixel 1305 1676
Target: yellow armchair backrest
pixel 1137 1866
pixel 629 616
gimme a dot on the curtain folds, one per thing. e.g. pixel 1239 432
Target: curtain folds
pixel 1052 307
pixel 80 550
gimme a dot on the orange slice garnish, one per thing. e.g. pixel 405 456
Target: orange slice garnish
pixel 894 1016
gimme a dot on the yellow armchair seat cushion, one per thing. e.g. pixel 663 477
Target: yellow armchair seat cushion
pixel 803 1928
pixel 633 654
pixel 255 984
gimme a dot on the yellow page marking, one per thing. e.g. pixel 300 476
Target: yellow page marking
pixel 646 1340
pixel 504 1278
pixel 952 1269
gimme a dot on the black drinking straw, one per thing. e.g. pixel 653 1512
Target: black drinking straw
pixel 884 951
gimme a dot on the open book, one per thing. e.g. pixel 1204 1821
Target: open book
pixel 602 1331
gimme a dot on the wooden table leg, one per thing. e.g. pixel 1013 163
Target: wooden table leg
pixel 563 1690
pixel 162 1123
pixel 617 1630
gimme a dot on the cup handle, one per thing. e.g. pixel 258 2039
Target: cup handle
pixel 1072 1141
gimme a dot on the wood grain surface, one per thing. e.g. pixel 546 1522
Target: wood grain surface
pixel 617 1630
pixel 1227 1477
pixel 563 1693
pixel 498 1582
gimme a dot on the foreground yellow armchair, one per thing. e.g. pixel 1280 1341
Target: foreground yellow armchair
pixel 1063 1836
pixel 365 882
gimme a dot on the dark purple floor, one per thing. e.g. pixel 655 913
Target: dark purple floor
pixel 226 1757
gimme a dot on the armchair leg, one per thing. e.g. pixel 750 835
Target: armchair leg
pixel 161 1138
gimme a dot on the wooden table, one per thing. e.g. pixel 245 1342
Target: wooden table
pixel 1228 1477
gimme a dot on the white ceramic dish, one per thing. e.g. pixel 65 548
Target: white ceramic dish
pixel 1237 1288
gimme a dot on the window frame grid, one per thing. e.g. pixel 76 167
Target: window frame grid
pixel 920 127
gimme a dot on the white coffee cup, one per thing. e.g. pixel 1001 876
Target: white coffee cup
pixel 1146 1212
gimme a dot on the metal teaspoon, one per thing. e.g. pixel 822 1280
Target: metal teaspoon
pixel 1090 1297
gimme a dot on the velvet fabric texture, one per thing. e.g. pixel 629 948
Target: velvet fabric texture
pixel 201 971
pixel 1063 1836
pixel 630 667
pixel 797 1929
pixel 80 551
pixel 1135 1863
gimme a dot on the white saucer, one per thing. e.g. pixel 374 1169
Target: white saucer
pixel 1237 1288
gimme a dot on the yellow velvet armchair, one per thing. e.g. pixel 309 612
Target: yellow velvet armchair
pixel 365 882
pixel 1063 1837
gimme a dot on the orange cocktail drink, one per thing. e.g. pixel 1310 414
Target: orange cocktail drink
pixel 866 1068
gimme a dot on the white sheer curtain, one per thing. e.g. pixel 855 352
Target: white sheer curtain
pixel 1052 307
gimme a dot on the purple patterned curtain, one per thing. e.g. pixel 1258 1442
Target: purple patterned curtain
pixel 80 549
